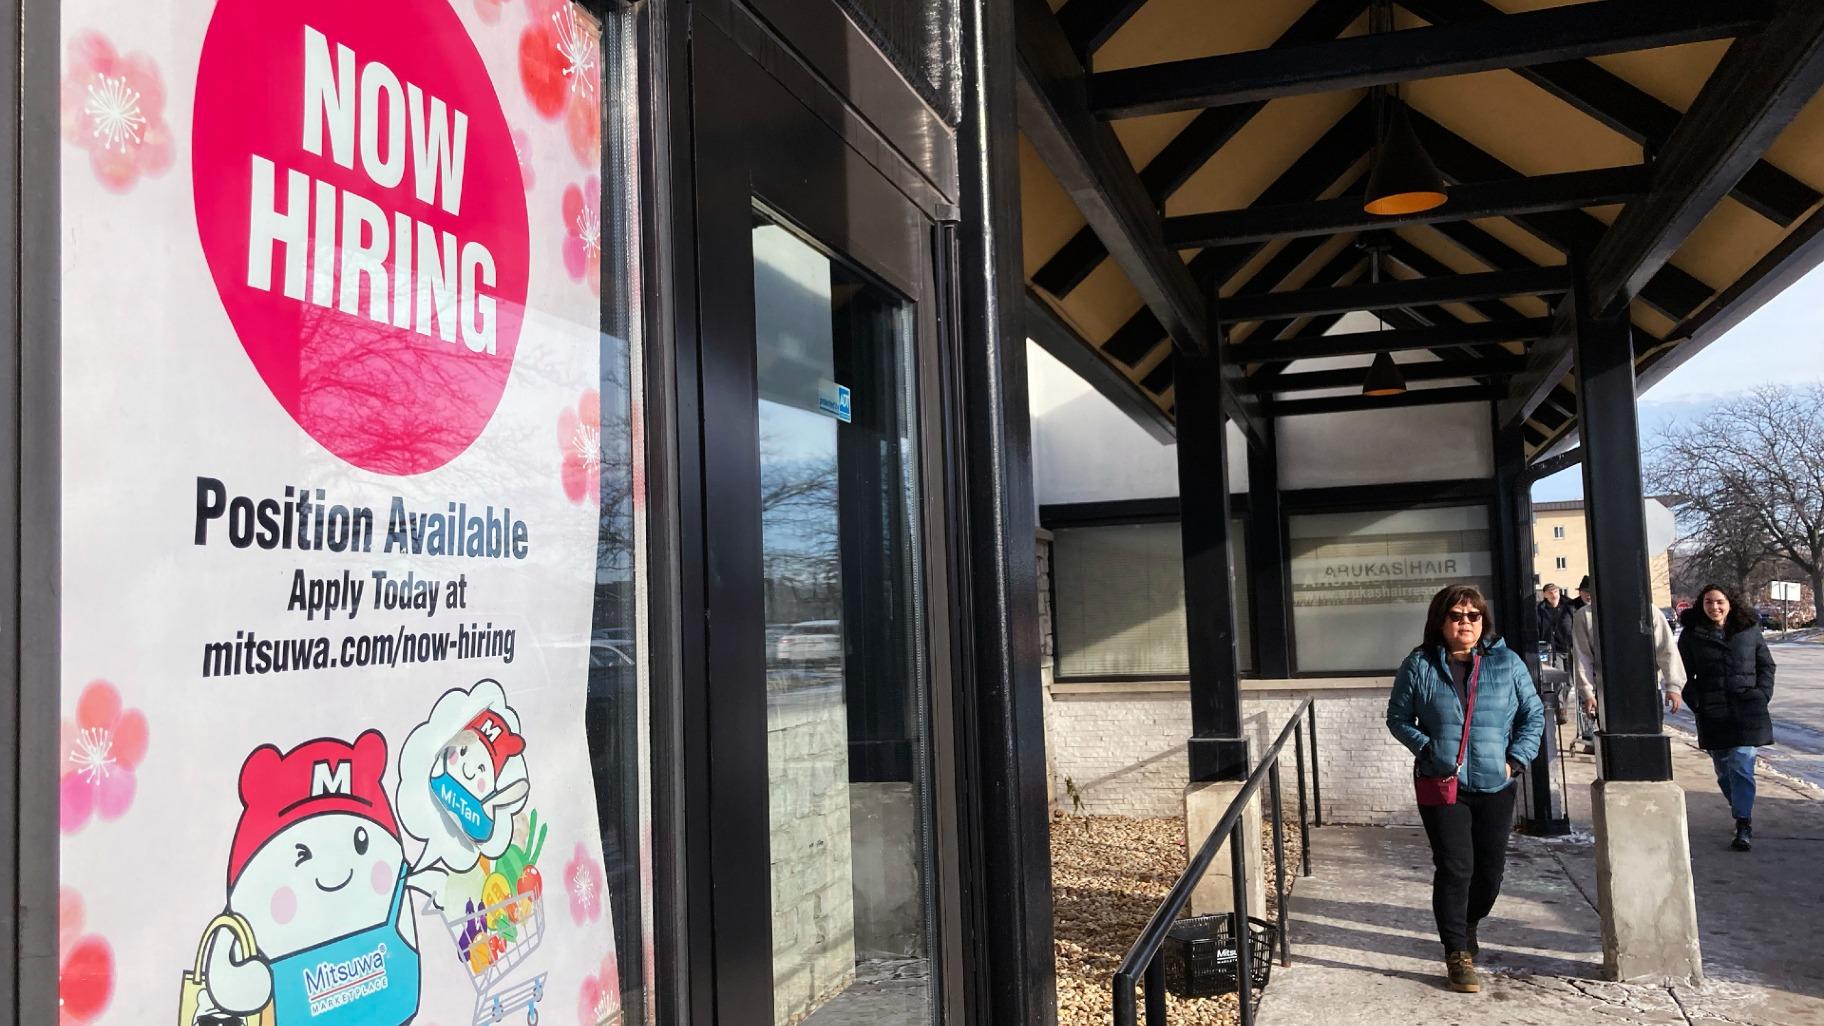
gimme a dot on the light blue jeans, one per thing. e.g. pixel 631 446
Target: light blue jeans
pixel 1735 775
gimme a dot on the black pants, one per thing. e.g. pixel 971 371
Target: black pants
pixel 1469 849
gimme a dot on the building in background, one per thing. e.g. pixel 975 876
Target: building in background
pixel 1561 546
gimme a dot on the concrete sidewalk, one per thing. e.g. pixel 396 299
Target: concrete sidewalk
pixel 1365 949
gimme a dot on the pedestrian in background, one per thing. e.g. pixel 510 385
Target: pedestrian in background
pixel 1555 623
pixel 1586 664
pixel 1586 594
pixel 1731 682
pixel 1465 705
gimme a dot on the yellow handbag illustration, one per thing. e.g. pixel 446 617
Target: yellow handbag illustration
pixel 191 1001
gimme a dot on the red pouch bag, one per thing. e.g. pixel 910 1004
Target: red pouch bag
pixel 1443 790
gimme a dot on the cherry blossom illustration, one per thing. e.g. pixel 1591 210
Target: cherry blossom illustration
pixel 587 886
pixel 600 999
pixel 85 965
pixel 559 58
pixel 583 124
pixel 579 439
pixel 101 750
pixel 113 106
pixel 583 232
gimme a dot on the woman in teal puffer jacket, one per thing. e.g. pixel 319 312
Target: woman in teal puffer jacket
pixel 1425 712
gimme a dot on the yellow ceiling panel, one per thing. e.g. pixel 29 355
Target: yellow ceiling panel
pixel 1799 150
pixel 1673 74
pixel 1175 30
pixel 1048 216
pixel 1520 124
pixel 1436 246
pixel 1143 138
pixel 1727 243
pixel 1260 152
pixel 1104 302
pixel 1252 267
pixel 1521 240
pixel 1649 320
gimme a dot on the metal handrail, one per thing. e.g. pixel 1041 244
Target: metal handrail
pixel 1143 961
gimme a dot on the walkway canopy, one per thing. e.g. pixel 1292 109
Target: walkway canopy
pixel 1195 171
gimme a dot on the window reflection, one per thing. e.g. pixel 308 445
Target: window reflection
pixel 846 710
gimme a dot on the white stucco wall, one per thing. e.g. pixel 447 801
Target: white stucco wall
pixel 1414 443
pixel 1084 449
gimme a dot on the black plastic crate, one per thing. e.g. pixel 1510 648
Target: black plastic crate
pixel 1200 955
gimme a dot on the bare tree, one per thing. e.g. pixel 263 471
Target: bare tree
pixel 1751 474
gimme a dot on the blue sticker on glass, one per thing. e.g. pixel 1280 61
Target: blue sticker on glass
pixel 833 400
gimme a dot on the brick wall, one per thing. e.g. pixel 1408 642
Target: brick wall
pixel 1047 657
pixel 1121 746
pixel 813 883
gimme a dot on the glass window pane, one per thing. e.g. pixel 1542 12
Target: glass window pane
pixel 1119 600
pixel 849 807
pixel 1361 581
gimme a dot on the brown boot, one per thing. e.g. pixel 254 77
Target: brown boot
pixel 1461 966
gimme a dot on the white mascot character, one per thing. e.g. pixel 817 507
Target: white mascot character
pixel 317 876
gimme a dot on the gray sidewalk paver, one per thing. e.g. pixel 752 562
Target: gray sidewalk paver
pixel 1365 949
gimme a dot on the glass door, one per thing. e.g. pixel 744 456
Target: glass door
pixel 825 828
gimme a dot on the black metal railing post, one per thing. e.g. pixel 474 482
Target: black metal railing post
pixel 1304 834
pixel 1155 992
pixel 1125 1012
pixel 1279 866
pixel 1144 963
pixel 1244 970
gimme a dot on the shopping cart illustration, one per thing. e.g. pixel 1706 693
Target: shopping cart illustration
pixel 492 942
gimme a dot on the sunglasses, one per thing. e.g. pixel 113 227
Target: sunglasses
pixel 1459 616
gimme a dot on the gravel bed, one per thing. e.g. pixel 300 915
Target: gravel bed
pixel 1108 875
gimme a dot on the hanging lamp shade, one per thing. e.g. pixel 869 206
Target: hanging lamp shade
pixel 1384 377
pixel 1404 180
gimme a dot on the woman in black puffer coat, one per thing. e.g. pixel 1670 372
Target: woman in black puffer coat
pixel 1730 676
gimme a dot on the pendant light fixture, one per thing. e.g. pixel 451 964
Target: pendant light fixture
pixel 1403 180
pixel 1384 377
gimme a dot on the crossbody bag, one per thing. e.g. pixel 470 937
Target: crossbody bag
pixel 1443 790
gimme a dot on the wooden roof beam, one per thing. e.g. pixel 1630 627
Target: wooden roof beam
pixel 1456 288
pixel 1055 336
pixel 1631 112
pixel 1193 147
pixel 1358 343
pixel 1405 253
pixel 1090 23
pixel 1533 37
pixel 1310 175
pixel 1756 90
pixel 1672 291
pixel 1422 370
pixel 1092 166
pixel 1568 190
pixel 1355 403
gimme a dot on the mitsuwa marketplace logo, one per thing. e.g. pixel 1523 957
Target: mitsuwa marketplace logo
pixel 359 202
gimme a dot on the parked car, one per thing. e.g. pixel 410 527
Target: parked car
pixel 813 641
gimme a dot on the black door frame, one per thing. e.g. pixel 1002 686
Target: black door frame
pixel 756 139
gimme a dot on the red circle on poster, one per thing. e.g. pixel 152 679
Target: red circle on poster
pixel 351 172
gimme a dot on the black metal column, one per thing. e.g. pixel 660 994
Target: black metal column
pixel 1630 743
pixel 1516 610
pixel 1266 542
pixel 1218 751
pixel 1007 881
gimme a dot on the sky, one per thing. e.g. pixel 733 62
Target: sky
pixel 1781 343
